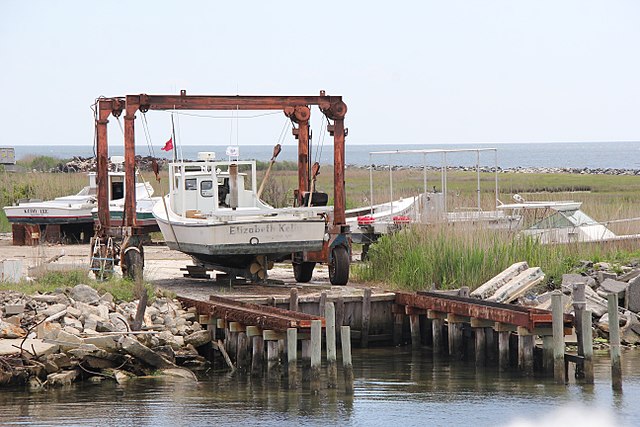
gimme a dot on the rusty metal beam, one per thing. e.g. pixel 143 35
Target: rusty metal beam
pixel 529 318
pixel 332 106
pixel 265 317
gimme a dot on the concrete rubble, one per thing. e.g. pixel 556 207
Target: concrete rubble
pixel 519 284
pixel 77 334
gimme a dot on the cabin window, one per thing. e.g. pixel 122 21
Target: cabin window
pixel 117 190
pixel 191 184
pixel 206 188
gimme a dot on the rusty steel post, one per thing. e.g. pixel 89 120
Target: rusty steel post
pixel 301 116
pixel 129 219
pixel 339 217
pixel 102 173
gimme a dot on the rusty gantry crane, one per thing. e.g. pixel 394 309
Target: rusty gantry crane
pixel 336 251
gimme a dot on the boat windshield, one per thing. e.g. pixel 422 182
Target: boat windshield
pixel 570 218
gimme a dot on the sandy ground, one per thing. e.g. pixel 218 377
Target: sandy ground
pixel 162 269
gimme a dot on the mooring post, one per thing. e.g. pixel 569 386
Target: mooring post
pixel 526 343
pixel 579 305
pixel 587 346
pixel 292 356
pixel 366 316
pixel 558 337
pixel 345 334
pixel 293 299
pixel 614 342
pixel 330 333
pixel 316 349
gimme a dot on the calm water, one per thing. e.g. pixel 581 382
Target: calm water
pixel 392 386
pixel 579 155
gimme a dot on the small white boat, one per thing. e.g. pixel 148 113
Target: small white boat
pixel 210 215
pixel 558 222
pixel 381 218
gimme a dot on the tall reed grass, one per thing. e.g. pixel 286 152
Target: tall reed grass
pixel 445 257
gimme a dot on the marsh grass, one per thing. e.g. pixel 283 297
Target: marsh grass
pixel 446 257
pixel 121 289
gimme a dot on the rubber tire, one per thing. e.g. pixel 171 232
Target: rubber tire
pixel 132 264
pixel 339 267
pixel 303 271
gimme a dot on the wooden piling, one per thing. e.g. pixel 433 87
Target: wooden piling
pixel 414 324
pixel 503 350
pixel 366 316
pixel 273 359
pixel 306 351
pixel 398 320
pixel 345 334
pixel 339 305
pixel 614 342
pixel 330 334
pixel 292 357
pixel 558 337
pixel 547 354
pixel 525 351
pixel 437 323
pixel 587 346
pixel 257 356
pixel 579 305
pixel 242 355
pixel 456 343
pixel 481 349
pixel 322 303
pixel 293 299
pixel 316 348
pixel 492 346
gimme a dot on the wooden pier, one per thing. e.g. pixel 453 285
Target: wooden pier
pixel 265 337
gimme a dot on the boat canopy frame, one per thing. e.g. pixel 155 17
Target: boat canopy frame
pixel 443 167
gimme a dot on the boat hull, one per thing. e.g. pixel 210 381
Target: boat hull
pixel 48 215
pixel 236 244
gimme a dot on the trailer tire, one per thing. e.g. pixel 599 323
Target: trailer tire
pixel 339 266
pixel 303 271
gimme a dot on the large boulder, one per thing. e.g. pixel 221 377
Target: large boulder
pixel 84 293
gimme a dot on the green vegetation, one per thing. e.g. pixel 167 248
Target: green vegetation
pixel 450 257
pixel 121 289
pixel 40 163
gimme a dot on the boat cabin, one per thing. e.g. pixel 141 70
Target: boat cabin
pixel 205 188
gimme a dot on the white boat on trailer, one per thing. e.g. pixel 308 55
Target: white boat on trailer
pixel 210 215
pixel 75 214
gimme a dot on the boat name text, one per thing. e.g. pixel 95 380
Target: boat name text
pixel 266 228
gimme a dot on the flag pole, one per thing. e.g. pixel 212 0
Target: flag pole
pixel 173 138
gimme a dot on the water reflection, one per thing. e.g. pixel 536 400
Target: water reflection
pixel 391 385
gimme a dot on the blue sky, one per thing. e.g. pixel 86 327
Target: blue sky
pixel 410 72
